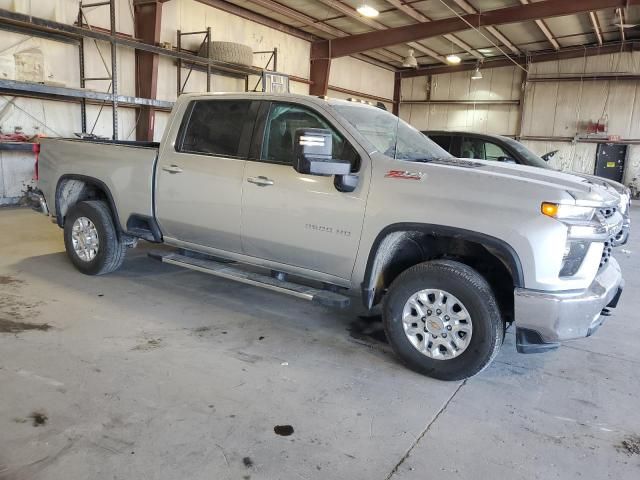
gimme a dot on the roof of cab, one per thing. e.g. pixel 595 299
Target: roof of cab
pixel 285 96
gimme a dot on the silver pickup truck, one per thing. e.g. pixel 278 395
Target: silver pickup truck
pixel 330 199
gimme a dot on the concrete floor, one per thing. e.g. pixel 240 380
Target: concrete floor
pixel 155 372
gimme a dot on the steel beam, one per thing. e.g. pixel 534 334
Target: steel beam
pixel 468 8
pixel 562 54
pixel 419 17
pixel 397 94
pixel 28 89
pixel 319 76
pixel 544 28
pixel 596 26
pixel 547 8
pixel 147 23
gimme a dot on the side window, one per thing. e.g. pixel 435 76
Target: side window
pixel 493 151
pixel 215 127
pixel 443 140
pixel 280 129
pixel 472 148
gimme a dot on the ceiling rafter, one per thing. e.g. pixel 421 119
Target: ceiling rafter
pixel 596 26
pixel 620 13
pixel 544 28
pixel 323 27
pixel 350 12
pixel 392 36
pixel 416 15
pixel 468 8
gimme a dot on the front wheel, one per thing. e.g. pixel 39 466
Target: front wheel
pixel 91 239
pixel 442 320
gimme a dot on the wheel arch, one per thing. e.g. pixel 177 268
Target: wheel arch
pixel 401 245
pixel 73 188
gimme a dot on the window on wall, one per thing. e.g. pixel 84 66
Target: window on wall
pixel 215 127
pixel 280 130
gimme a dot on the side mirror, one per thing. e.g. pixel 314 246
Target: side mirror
pixel 549 155
pixel 313 153
pixel 506 159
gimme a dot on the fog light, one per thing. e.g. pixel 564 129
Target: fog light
pixel 574 254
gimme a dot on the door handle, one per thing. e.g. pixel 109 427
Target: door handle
pixel 172 169
pixel 260 181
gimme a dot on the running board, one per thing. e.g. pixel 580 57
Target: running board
pixel 224 270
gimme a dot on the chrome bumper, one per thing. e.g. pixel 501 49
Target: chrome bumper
pixel 543 319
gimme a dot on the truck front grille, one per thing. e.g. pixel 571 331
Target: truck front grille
pixel 606 252
pixel 608 211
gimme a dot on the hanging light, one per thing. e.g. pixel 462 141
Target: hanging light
pixel 410 61
pixel 477 74
pixel 367 10
pixel 453 59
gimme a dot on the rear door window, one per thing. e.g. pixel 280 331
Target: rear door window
pixel 216 127
pixel 443 140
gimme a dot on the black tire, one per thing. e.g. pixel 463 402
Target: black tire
pixel 473 291
pixel 111 250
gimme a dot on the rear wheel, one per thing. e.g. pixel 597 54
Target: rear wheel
pixel 91 239
pixel 442 320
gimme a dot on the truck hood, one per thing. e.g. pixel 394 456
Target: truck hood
pixel 606 182
pixel 585 189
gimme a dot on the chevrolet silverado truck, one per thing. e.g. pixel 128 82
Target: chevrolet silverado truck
pixel 329 200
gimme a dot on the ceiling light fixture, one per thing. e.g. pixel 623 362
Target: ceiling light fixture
pixel 477 74
pixel 410 61
pixel 453 59
pixel 367 10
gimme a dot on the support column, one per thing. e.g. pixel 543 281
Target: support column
pixel 147 22
pixel 320 68
pixel 397 94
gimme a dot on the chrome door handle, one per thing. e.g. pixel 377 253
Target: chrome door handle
pixel 172 169
pixel 260 181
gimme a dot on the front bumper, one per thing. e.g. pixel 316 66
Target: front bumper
pixel 544 319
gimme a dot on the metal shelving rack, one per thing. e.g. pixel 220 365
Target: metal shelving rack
pixel 76 34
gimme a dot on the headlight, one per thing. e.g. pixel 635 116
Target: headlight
pixel 571 213
pixel 624 203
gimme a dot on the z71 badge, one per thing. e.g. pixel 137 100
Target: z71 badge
pixel 405 175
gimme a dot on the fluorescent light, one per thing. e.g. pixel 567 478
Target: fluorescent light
pixel 367 10
pixel 485 50
pixel 477 74
pixel 453 59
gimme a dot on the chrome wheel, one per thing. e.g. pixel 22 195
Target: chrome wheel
pixel 84 237
pixel 437 324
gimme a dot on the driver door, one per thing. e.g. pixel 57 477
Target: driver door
pixel 295 219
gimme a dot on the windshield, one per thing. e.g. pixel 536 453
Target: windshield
pixel 390 135
pixel 528 157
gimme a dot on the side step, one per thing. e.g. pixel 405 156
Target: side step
pixel 225 270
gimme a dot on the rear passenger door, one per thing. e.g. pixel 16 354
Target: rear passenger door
pixel 199 181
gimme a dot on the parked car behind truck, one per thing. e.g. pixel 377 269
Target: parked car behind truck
pixel 358 204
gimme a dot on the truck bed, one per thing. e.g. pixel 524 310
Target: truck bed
pixel 124 169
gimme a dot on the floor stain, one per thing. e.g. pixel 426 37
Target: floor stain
pixel 283 430
pixel 39 418
pixel 368 329
pixel 247 462
pixel 8 280
pixel 10 326
pixel 150 344
pixel 630 445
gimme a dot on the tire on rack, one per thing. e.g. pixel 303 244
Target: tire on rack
pixel 91 239
pixel 442 320
pixel 229 52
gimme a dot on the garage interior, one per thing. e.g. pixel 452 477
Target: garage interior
pixel 158 372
